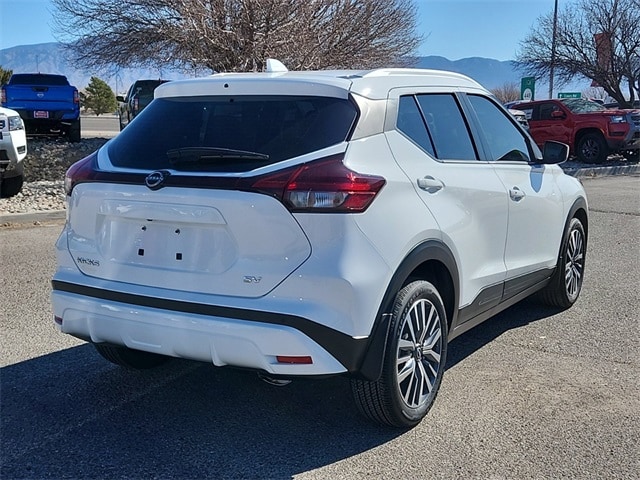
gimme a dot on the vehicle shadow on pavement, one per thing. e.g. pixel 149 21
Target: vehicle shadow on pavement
pixel 71 414
pixel 519 315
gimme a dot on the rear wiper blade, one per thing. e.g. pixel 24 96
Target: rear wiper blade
pixel 197 154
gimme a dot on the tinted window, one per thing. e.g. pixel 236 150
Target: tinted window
pixel 411 123
pixel 38 79
pixel 143 89
pixel 281 127
pixel 447 128
pixel 547 109
pixel 504 139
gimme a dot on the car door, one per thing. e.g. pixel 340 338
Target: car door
pixel 550 123
pixel 432 144
pixel 535 202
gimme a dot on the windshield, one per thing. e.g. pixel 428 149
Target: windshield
pixel 580 105
pixel 264 129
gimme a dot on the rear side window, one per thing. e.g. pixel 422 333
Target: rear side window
pixel 230 134
pixel 38 79
pixel 447 127
pixel 411 123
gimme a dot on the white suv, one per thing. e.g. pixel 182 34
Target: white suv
pixel 316 223
pixel 13 150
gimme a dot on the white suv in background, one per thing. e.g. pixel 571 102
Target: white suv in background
pixel 13 150
pixel 316 223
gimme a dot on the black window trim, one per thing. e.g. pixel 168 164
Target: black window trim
pixel 479 135
pixel 471 128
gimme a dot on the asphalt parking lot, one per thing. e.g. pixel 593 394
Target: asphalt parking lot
pixel 533 393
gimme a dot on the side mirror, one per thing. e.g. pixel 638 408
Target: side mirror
pixel 557 114
pixel 119 98
pixel 554 152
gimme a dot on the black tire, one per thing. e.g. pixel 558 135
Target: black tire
pixel 415 357
pixel 129 358
pixel 11 186
pixel 564 288
pixel 592 148
pixel 75 132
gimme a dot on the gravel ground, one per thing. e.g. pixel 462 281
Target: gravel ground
pixel 46 162
pixel 49 159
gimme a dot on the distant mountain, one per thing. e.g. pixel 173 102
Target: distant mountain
pixel 488 72
pixel 54 58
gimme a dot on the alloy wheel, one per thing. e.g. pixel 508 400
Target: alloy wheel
pixel 574 264
pixel 419 353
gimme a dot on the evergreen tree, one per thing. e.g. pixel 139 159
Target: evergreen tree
pixel 5 75
pixel 99 97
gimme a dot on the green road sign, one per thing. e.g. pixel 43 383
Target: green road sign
pixel 528 88
pixel 569 95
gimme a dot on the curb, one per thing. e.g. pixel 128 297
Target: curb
pixel 56 215
pixel 35 218
pixel 591 172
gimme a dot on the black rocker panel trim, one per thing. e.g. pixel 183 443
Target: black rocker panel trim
pixel 494 298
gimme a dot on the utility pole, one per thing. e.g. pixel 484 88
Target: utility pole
pixel 553 48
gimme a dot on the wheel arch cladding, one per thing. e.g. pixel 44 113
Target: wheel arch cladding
pixel 431 261
pixel 579 210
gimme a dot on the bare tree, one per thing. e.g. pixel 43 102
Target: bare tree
pixel 508 92
pixel 598 39
pixel 596 93
pixel 239 35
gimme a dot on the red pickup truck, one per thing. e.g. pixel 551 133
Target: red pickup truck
pixel 592 131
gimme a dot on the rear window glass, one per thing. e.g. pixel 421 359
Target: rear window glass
pixel 38 79
pixel 230 134
pixel 145 88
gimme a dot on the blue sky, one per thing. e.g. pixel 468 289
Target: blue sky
pixel 453 28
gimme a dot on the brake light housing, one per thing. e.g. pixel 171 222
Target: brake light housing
pixel 320 186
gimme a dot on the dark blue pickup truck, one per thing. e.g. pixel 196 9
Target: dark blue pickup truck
pixel 47 103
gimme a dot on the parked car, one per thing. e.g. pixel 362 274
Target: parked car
pixel 615 105
pixel 305 224
pixel 138 96
pixel 47 103
pixel 13 150
pixel 592 131
pixel 520 117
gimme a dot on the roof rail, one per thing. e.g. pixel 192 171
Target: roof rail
pixel 383 72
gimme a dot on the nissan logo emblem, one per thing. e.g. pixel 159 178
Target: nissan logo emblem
pixel 155 180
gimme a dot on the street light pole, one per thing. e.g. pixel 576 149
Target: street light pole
pixel 553 48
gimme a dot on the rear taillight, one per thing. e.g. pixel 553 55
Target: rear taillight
pixel 3 96
pixel 81 171
pixel 134 107
pixel 325 185
pixel 76 97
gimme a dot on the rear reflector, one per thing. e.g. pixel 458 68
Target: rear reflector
pixel 58 320
pixel 306 360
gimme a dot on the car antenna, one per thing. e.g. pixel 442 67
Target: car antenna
pixel 274 66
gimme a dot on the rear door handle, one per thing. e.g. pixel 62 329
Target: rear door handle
pixel 516 194
pixel 430 184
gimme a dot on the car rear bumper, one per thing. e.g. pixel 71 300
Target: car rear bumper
pixel 217 339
